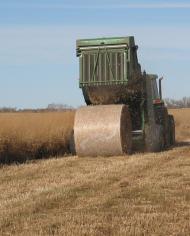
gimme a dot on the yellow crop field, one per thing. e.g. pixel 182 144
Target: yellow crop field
pixel 34 135
pixel 182 122
pixel 140 194
pixel 25 136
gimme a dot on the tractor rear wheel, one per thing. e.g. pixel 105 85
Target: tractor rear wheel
pixel 154 138
pixel 171 129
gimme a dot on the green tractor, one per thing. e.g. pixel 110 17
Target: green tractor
pixel 125 110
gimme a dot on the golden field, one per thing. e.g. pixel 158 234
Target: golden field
pixel 28 135
pixel 25 136
pixel 182 122
pixel 141 194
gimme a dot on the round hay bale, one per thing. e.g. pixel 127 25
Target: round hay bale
pixel 103 130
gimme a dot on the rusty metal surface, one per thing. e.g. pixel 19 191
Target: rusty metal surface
pixel 103 130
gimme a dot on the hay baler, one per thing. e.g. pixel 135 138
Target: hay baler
pixel 125 110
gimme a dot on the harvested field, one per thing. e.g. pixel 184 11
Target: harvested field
pixel 142 194
pixel 139 195
pixel 25 136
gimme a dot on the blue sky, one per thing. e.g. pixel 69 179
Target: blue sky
pixel 38 65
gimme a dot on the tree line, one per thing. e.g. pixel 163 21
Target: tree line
pixel 50 108
pixel 170 103
pixel 178 103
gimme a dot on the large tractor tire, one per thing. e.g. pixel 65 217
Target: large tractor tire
pixel 171 129
pixel 166 126
pixel 154 138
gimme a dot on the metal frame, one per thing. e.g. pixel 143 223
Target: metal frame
pixel 107 47
pixel 114 77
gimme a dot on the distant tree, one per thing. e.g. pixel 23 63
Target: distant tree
pixel 180 103
pixel 58 106
pixel 8 109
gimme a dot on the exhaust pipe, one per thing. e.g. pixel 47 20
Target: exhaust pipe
pixel 160 87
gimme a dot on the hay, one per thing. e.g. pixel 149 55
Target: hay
pixel 103 130
pixel 112 94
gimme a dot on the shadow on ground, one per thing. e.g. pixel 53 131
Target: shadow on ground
pixel 9 158
pixel 183 144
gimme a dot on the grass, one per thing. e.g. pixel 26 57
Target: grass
pixel 26 136
pixel 138 195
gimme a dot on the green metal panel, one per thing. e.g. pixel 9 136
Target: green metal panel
pixel 107 41
pixel 104 61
